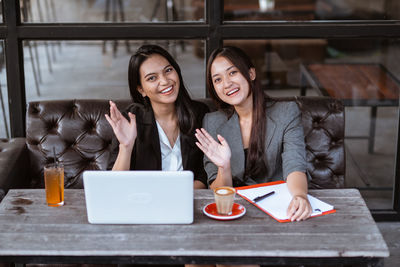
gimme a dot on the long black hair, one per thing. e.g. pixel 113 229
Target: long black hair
pixel 186 116
pixel 256 150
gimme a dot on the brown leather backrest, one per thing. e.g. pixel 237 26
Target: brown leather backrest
pixel 81 136
pixel 13 158
pixel 78 131
pixel 323 122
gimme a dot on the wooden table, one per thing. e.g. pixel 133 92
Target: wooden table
pixel 31 232
pixel 356 85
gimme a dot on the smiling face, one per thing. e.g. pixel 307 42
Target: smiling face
pixel 229 83
pixel 159 80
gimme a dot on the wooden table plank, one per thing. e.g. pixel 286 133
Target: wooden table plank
pixel 28 227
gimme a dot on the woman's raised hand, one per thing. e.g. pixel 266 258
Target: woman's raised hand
pixel 218 153
pixel 124 130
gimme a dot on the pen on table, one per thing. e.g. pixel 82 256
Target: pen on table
pixel 263 196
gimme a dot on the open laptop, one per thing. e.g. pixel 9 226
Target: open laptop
pixel 139 197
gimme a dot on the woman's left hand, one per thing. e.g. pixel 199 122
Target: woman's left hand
pixel 299 208
pixel 218 152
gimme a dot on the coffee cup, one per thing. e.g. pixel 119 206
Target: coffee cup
pixel 224 198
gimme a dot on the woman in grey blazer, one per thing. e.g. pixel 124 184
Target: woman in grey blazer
pixel 259 140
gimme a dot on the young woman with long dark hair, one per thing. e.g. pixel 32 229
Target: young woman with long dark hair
pixel 260 140
pixel 157 131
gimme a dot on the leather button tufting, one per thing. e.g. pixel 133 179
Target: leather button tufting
pixel 35 110
pixel 316 122
pixel 90 126
pixel 51 126
pixel 33 142
pixel 335 107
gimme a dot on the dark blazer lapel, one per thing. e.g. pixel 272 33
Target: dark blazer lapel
pixel 150 133
pixel 187 145
pixel 230 130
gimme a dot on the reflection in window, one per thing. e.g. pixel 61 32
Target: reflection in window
pixel 4 112
pixel 51 11
pixel 365 75
pixel 97 69
pixel 1 12
pixel 278 61
pixel 305 10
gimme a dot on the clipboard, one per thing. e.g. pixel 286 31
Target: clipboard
pixel 276 204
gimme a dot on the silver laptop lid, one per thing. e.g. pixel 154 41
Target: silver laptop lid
pixel 139 197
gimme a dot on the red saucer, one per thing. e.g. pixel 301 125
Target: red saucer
pixel 211 211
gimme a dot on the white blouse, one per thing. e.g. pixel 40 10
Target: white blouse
pixel 171 157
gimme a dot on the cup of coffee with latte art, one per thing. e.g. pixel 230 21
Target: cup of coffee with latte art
pixel 224 198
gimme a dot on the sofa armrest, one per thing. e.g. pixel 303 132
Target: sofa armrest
pixel 13 164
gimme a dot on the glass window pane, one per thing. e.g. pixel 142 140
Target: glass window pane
pixel 74 11
pixel 98 69
pixel 305 10
pixel 365 74
pixel 4 112
pixel 1 13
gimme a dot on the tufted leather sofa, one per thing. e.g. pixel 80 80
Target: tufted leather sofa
pixel 323 122
pixel 81 136
pixel 13 161
pixel 78 131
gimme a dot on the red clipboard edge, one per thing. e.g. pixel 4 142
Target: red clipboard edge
pixel 274 183
pixel 259 185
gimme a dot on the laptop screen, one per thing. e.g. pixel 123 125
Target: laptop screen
pixel 139 197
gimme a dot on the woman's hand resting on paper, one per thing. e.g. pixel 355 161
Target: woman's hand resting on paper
pixel 124 130
pixel 299 208
pixel 218 152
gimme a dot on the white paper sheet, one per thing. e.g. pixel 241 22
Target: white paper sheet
pixel 276 205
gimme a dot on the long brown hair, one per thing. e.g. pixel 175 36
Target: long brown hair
pixel 256 151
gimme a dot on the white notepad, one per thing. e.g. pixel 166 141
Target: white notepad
pixel 276 204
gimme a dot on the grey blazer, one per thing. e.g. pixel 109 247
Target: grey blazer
pixel 284 146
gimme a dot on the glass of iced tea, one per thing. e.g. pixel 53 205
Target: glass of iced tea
pixel 54 183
